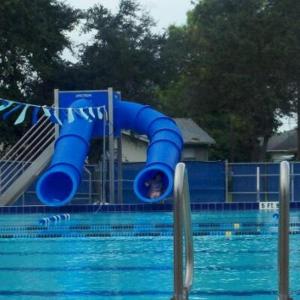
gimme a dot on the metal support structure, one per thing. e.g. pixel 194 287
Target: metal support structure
pixel 182 224
pixel 90 192
pixel 56 104
pixel 283 239
pixel 111 146
pixel 103 170
pixel 120 172
pixel 258 184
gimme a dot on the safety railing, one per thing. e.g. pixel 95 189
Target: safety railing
pixel 14 149
pixel 182 224
pixel 283 238
pixel 27 149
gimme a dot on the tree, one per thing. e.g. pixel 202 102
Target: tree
pixel 286 23
pixel 234 73
pixel 32 37
pixel 124 53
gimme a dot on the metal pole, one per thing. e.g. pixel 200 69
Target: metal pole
pixel 292 182
pixel 226 181
pixel 283 239
pixel 120 173
pixel 111 147
pixel 182 220
pixel 56 104
pixel 178 249
pixel 257 184
pixel 103 199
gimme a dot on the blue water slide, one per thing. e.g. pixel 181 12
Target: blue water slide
pixel 58 185
pixel 164 149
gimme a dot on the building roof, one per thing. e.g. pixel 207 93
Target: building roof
pixel 283 142
pixel 192 134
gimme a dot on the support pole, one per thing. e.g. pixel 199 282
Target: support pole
pixel 120 173
pixel 56 104
pixel 103 169
pixel 292 183
pixel 283 239
pixel 111 147
pixel 226 181
pixel 257 184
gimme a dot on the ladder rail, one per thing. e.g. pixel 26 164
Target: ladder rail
pixel 283 232
pixel 182 225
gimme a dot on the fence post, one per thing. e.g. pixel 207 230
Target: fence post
pixel 257 184
pixel 292 176
pixel 111 142
pixel 226 181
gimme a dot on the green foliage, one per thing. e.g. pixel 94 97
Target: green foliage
pixel 32 37
pixel 233 68
pixel 124 53
pixel 234 72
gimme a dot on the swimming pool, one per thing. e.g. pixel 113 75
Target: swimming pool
pixel 128 256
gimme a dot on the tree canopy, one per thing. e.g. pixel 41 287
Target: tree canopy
pixel 32 37
pixel 234 72
pixel 233 67
pixel 125 53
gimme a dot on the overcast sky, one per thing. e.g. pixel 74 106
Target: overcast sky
pixel 165 12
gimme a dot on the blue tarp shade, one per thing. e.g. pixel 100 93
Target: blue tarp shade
pixel 296 185
pixel 243 180
pixel 207 182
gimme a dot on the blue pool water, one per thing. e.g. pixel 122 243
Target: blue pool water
pixel 128 256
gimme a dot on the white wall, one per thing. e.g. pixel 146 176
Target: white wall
pixel 195 153
pixel 133 150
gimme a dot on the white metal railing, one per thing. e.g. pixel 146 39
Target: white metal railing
pixel 10 153
pixel 182 224
pixel 283 238
pixel 27 149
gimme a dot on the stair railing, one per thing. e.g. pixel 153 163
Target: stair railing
pixel 27 149
pixel 182 225
pixel 283 230
pixel 20 142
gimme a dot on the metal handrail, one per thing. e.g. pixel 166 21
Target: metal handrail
pixel 11 175
pixel 182 224
pixel 35 142
pixel 21 140
pixel 38 132
pixel 283 238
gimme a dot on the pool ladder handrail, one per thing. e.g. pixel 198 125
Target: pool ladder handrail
pixel 182 224
pixel 283 232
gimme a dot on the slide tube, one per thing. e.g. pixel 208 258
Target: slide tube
pixel 164 150
pixel 59 184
